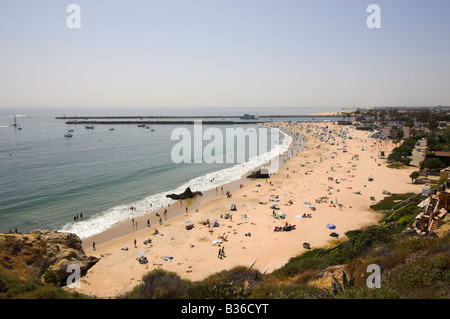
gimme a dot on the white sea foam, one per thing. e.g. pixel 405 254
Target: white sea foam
pixel 105 220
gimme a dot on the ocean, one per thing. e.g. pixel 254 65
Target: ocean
pixel 46 179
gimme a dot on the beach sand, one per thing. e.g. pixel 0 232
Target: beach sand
pixel 305 178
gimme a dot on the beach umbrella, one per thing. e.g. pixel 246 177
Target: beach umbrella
pixel 331 226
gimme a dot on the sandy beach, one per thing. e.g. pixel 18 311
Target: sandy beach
pixel 328 181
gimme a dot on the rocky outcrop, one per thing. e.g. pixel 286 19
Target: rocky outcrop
pixel 186 194
pixel 64 249
pixel 33 255
pixel 261 173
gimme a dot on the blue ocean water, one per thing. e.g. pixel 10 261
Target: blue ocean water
pixel 46 178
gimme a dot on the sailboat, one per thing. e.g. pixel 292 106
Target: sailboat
pixel 68 134
pixel 15 123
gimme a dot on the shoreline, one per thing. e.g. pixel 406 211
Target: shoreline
pixel 177 208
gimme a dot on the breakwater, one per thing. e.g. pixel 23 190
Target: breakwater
pixel 190 117
pixel 94 122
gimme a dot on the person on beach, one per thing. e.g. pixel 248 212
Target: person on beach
pixel 93 245
pixel 148 222
pixel 135 243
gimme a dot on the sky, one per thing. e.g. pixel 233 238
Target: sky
pixel 216 53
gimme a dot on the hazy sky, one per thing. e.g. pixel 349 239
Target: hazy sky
pixel 224 53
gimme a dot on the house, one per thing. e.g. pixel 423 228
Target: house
pixel 444 157
pixel 434 209
pixel 445 173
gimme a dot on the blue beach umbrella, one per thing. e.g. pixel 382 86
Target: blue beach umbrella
pixel 331 226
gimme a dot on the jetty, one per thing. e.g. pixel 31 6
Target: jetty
pixel 184 120
pixel 160 122
pixel 192 117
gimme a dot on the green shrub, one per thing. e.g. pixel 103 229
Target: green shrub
pixel 368 293
pixel 50 277
pixel 303 263
pixel 418 278
pixel 353 233
pixel 13 288
pixel 403 222
pixel 228 290
pixel 408 211
pixel 390 201
pixel 237 282
pixel 288 291
pixel 160 284
pixel 359 243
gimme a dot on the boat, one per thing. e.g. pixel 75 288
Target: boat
pixel 147 127
pixel 70 131
pixel 249 117
pixel 68 134
pixel 16 124
pixel 141 125
pixel 112 129
pixel 152 130
pixel 89 127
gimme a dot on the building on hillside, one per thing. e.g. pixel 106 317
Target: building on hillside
pixel 444 157
pixel 433 209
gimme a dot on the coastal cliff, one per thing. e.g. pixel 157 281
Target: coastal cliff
pixel 42 255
